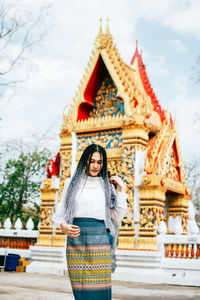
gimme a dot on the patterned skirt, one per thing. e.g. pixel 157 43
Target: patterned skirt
pixel 89 261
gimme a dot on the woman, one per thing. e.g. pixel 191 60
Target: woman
pixel 88 208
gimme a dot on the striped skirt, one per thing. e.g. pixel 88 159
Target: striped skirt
pixel 89 261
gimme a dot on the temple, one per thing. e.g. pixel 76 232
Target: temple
pixel 116 107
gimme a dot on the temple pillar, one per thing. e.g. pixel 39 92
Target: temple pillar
pixel 66 159
pixel 133 137
pixel 48 198
pixel 152 202
pixel 65 172
pixel 178 206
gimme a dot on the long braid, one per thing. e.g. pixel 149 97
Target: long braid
pixel 77 181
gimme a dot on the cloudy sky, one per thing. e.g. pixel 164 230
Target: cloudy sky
pixel 168 33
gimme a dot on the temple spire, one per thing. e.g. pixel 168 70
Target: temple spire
pixel 100 28
pixel 100 39
pixel 108 35
pixel 107 27
pixel 103 40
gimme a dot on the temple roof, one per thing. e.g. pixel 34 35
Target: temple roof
pixel 131 82
pixel 137 59
pixel 163 155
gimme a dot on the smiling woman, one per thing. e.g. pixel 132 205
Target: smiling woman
pixel 86 213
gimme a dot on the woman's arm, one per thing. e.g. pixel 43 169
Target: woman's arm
pixel 118 182
pixel 58 217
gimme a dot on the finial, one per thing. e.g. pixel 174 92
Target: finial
pixel 100 39
pixel 136 53
pixel 107 27
pixel 108 35
pixel 100 28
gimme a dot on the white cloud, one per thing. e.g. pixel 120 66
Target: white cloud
pixel 181 83
pixel 188 127
pixel 158 67
pixel 186 19
pixel 185 107
pixel 179 46
pixel 182 16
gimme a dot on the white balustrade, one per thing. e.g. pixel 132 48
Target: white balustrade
pixel 30 224
pixel 7 223
pixel 179 246
pixel 18 224
pixel 29 232
pixel 162 228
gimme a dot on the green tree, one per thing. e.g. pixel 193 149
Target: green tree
pixel 21 178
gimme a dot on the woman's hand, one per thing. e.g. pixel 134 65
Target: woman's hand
pixel 119 182
pixel 71 230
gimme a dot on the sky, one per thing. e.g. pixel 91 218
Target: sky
pixel 168 34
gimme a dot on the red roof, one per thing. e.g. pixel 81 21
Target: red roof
pixel 146 83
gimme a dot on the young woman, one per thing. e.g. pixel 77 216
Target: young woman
pixel 86 213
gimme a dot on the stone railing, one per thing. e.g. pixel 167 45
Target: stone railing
pixel 180 246
pixel 18 238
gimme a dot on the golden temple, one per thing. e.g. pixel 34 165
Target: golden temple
pixel 116 107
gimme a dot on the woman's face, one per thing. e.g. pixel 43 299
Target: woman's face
pixel 95 164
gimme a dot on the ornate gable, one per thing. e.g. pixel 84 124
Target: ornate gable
pixel 163 156
pixel 107 82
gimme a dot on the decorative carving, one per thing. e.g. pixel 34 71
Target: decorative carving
pixel 185 223
pixel 128 169
pixel 172 167
pixel 188 191
pixel 146 180
pixel 115 167
pixel 106 103
pixel 144 106
pixel 67 122
pixel 153 149
pixel 100 41
pixel 109 140
pixel 64 170
pixel 47 183
pixel 150 217
pixel 173 185
pixel 46 214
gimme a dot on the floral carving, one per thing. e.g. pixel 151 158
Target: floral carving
pixel 106 102
pixel 109 140
pixel 65 170
pixel 46 214
pixel 115 167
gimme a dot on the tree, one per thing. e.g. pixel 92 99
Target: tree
pixel 20 182
pixel 196 70
pixel 193 180
pixel 20 31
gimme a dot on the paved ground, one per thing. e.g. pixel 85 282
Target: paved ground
pixel 21 286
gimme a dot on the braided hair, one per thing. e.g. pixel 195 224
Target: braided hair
pixel 74 186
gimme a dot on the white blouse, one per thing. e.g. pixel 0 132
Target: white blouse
pixel 90 202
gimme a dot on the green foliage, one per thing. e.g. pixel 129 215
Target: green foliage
pixel 31 212
pixel 21 178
